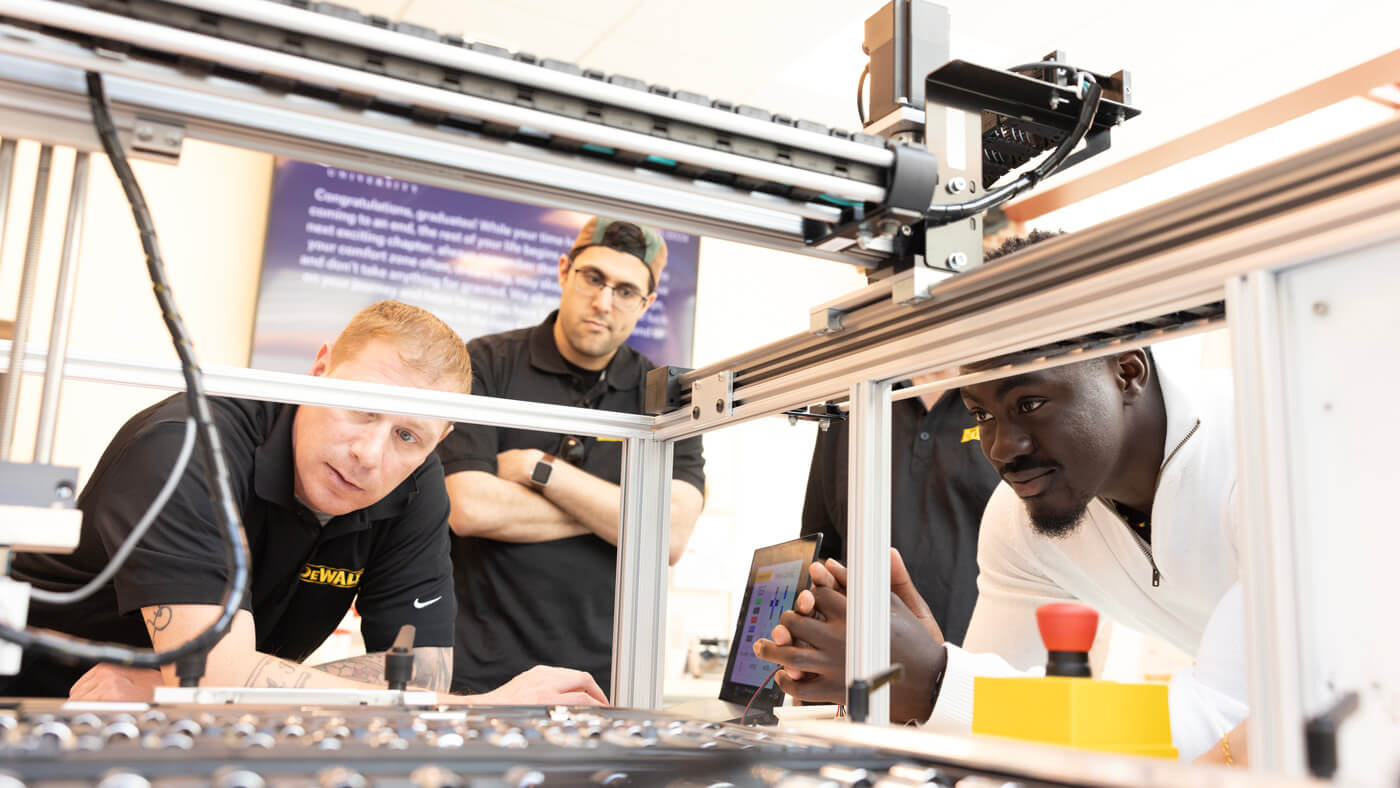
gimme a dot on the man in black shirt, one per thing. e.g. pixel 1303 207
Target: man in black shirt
pixel 940 485
pixel 338 506
pixel 536 514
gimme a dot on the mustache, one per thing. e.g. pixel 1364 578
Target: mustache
pixel 1028 464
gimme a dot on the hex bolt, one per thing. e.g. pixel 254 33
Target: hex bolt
pixel 957 261
pixel 145 132
pixel 956 185
pixel 905 229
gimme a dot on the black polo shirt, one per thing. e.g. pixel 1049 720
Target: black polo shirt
pixel 392 555
pixel 940 483
pixel 550 603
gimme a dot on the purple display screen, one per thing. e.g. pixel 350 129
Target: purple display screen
pixel 340 240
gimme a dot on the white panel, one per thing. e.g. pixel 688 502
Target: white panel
pixel 1339 335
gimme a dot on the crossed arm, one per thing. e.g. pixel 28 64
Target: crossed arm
pixel 503 506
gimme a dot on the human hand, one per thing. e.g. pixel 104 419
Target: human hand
pixel 813 646
pixel 516 465
pixel 116 683
pixel 901 584
pixel 545 686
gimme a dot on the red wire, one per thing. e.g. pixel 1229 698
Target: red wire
pixel 755 694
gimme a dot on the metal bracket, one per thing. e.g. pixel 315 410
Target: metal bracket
pixel 822 413
pixel 37 513
pixel 663 389
pixel 914 286
pixel 904 119
pixel 712 397
pixel 826 320
pixel 159 139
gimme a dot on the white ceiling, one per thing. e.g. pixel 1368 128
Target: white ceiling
pixel 1193 61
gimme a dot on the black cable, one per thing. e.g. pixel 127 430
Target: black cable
pixel 216 472
pixel 860 94
pixel 754 696
pixel 132 539
pixel 943 214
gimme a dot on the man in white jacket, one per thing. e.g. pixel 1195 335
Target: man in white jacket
pixel 1117 487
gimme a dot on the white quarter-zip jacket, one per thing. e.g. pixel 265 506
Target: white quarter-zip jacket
pixel 1168 590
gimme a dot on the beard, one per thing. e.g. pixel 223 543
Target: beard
pixel 1057 524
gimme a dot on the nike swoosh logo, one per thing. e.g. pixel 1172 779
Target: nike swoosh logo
pixel 420 605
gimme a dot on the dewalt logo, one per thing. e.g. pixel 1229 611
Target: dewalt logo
pixel 330 576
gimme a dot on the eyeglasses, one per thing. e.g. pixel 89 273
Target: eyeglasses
pixel 625 297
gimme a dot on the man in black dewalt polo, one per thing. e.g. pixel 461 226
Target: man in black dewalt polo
pixel 334 503
pixel 939 486
pixel 536 514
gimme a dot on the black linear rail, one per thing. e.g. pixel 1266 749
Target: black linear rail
pixel 1334 169
pixel 456 80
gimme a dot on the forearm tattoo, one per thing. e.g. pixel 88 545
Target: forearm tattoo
pixel 276 673
pixel 432 668
pixel 368 668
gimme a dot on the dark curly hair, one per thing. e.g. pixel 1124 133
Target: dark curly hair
pixel 1020 242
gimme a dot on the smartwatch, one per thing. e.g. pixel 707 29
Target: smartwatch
pixel 543 469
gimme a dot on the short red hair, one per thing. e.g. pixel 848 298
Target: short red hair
pixel 424 342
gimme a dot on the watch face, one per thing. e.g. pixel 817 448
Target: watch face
pixel 540 475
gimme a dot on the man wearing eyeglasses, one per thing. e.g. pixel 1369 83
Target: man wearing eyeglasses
pixel 535 514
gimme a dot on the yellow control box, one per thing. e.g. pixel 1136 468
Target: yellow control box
pixel 1075 712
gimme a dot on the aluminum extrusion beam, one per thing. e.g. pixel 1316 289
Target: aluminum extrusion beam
pixel 1267 558
pixel 267 62
pixel 1152 263
pixel 868 543
pixel 29 275
pixel 353 395
pixel 43 96
pixel 644 545
pixel 1206 324
pixel 7 173
pixel 1291 184
pixel 309 23
pixel 62 310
